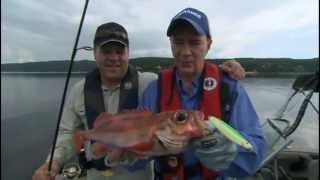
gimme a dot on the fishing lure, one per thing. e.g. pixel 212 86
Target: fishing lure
pixel 230 133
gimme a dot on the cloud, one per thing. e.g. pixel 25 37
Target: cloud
pixel 287 17
pixel 47 29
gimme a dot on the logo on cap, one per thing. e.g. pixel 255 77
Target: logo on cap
pixel 189 11
pixel 209 83
pixel 196 18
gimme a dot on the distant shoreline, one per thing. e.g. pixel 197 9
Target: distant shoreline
pixel 263 67
pixel 13 72
pixel 248 74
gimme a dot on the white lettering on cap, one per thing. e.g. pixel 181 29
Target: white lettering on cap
pixel 190 12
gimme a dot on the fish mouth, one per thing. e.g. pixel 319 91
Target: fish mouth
pixel 181 117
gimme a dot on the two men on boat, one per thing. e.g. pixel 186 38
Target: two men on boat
pixel 115 86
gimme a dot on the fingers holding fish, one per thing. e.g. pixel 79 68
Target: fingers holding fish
pixel 116 155
pixel 99 149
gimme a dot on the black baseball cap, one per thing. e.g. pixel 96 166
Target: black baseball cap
pixel 111 32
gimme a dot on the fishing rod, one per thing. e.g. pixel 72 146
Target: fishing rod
pixel 66 84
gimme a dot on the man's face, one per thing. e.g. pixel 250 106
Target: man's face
pixel 189 49
pixel 112 60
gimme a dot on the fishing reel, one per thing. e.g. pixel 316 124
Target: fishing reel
pixel 71 171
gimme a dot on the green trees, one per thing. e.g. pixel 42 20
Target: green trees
pixel 254 66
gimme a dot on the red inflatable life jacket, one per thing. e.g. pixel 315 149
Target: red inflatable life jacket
pixel 210 105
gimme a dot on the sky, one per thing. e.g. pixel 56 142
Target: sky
pixel 45 30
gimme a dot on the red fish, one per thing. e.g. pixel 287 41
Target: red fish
pixel 141 131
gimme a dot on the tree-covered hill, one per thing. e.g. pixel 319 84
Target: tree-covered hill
pixel 251 65
pixel 254 66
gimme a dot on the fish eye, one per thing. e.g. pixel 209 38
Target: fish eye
pixel 181 116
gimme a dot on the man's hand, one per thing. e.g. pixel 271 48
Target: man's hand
pixel 117 155
pixel 234 69
pixel 43 174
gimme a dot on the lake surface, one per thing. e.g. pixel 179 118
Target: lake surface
pixel 30 105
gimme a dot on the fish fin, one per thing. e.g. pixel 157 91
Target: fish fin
pixel 103 118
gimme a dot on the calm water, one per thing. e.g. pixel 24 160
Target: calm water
pixel 30 104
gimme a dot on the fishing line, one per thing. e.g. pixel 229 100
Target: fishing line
pixel 280 113
pixel 310 83
pixel 299 117
pixel 66 85
pixel 312 105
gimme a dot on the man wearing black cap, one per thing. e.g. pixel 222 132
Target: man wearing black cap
pixel 113 87
pixel 194 84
